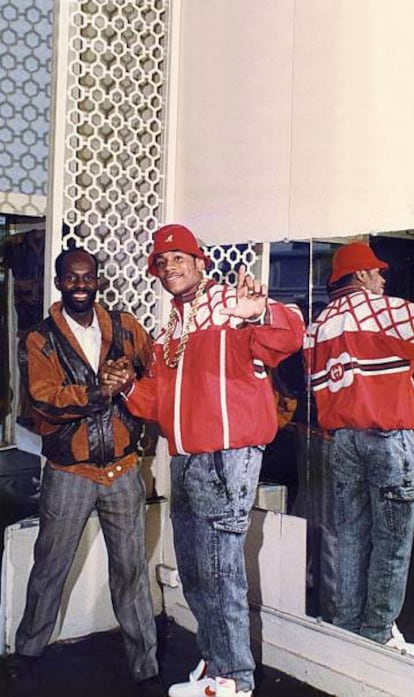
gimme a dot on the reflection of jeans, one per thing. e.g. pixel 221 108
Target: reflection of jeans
pixel 374 515
pixel 315 502
pixel 211 498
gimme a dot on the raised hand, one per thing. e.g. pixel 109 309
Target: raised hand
pixel 251 297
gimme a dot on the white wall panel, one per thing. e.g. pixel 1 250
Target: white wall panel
pixel 352 117
pixel 234 119
pixel 295 118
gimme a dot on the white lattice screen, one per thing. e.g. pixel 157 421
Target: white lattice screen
pixel 114 141
pixel 115 147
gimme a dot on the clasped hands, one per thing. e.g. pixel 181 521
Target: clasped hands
pixel 116 376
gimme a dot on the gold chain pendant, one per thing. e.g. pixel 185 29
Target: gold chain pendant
pixel 173 362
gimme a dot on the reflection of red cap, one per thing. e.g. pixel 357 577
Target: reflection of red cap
pixel 175 237
pixel 356 256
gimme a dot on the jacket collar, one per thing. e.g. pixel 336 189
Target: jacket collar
pixel 346 290
pixel 105 324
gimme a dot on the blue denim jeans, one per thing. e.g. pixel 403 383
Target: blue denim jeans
pixel 212 495
pixel 374 516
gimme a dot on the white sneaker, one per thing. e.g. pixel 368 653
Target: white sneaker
pixel 200 685
pixel 398 642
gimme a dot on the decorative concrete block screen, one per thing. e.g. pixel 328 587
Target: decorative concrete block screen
pixel 115 146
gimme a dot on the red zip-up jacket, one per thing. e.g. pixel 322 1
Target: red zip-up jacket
pixel 220 395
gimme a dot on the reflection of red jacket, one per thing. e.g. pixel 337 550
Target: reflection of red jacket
pixel 219 396
pixel 361 356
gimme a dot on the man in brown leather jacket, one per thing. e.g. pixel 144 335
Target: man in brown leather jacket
pixel 90 444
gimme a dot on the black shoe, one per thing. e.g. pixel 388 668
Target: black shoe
pixel 17 666
pixel 151 687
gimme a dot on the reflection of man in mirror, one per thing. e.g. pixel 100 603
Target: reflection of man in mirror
pixel 360 353
pixel 209 392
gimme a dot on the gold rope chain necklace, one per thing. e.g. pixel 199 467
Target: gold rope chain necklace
pixel 172 321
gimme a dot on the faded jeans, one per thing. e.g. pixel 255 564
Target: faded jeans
pixel 374 516
pixel 212 495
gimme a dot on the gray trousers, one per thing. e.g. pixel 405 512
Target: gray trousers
pixel 66 501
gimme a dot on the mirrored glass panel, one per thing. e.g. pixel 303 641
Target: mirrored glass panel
pixel 298 463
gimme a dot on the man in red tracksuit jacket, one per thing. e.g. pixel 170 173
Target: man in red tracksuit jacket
pixel 210 392
pixel 360 354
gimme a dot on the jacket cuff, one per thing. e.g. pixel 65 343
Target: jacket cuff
pixel 126 395
pixel 264 318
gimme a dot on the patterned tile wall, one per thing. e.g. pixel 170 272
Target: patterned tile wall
pixel 25 77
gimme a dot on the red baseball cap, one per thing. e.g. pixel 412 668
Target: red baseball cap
pixel 356 256
pixel 175 237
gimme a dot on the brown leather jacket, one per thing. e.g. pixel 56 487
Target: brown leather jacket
pixel 77 423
